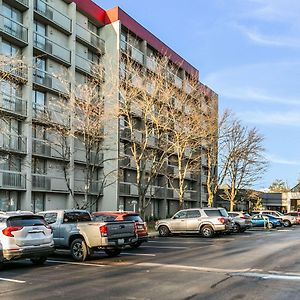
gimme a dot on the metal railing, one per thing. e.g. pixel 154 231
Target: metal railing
pixel 13 28
pixel 41 147
pixel 94 187
pixel 41 182
pixel 90 38
pixel 53 15
pixel 13 142
pixel 47 45
pixel 9 179
pixel 12 103
pixel 134 52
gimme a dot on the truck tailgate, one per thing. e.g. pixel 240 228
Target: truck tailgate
pixel 120 229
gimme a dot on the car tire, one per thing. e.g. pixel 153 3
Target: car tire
pixel 112 252
pixel 236 228
pixel 163 230
pixel 135 245
pixel 79 250
pixel 207 231
pixel 270 225
pixel 38 260
pixel 287 223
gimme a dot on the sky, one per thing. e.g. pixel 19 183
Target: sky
pixel 248 52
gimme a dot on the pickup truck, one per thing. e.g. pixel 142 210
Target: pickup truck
pixel 74 229
pixel 205 221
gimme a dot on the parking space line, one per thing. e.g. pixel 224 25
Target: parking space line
pixel 182 242
pixel 75 263
pixel 12 280
pixel 137 254
pixel 164 247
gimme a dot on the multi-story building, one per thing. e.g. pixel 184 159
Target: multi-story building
pixel 55 35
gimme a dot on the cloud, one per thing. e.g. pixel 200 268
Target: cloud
pixel 289 118
pixel 276 160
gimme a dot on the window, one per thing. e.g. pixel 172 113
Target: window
pixel 37 202
pixel 104 218
pixel 76 216
pixel 93 28
pixel 193 214
pixel 50 218
pixel 39 35
pixel 39 69
pixel 38 103
pixel 9 201
pixel 9 49
pixel 39 166
pixel 10 163
pixel 180 215
pixel 212 212
pixel 25 221
pixel 39 132
pixel 12 16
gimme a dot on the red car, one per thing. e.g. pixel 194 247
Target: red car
pixel 295 214
pixel 109 216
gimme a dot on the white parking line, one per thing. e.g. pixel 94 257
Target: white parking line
pixel 137 254
pixel 164 247
pixel 12 280
pixel 182 242
pixel 75 263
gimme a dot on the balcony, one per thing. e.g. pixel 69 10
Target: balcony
pixel 54 50
pixel 151 64
pixel 16 71
pixel 80 157
pixel 124 188
pixel 14 31
pixel 47 149
pixel 52 16
pixel 159 192
pixel 45 114
pixel 83 64
pixel 13 104
pixel 133 52
pixel 49 82
pixel 11 142
pixel 90 39
pixel 12 180
pixel 21 5
pixel 94 189
pixel 41 182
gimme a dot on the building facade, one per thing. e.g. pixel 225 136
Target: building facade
pixel 51 37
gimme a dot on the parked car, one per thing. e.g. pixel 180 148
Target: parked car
pixel 142 230
pixel 268 221
pixel 295 214
pixel 74 229
pixel 207 221
pixel 288 221
pixel 242 221
pixel 24 235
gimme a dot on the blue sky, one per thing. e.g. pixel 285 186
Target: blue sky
pixel 248 52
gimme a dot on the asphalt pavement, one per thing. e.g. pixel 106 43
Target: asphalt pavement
pixel 252 265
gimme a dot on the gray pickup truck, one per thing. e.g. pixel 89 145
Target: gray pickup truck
pixel 75 229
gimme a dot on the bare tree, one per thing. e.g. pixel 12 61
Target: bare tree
pixel 243 160
pixel 279 186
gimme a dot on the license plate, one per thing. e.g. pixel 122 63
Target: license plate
pixel 120 241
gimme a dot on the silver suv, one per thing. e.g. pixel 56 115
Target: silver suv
pixel 24 235
pixel 206 221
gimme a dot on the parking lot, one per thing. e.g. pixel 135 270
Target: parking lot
pixel 256 264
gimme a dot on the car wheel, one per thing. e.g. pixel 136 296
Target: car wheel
pixel 112 252
pixel 163 230
pixel 287 223
pixel 207 231
pixel 135 245
pixel 38 260
pixel 270 225
pixel 79 250
pixel 236 228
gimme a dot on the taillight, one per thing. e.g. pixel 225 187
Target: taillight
pixel 49 227
pixel 103 230
pixel 8 230
pixel 135 228
pixel 243 217
pixel 221 220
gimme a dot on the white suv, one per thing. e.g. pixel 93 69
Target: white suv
pixel 24 235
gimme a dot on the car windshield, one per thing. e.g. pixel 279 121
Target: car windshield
pixel 279 213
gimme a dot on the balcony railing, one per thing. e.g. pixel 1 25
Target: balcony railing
pixel 83 64
pixel 90 38
pixel 16 70
pixel 53 15
pixel 94 188
pixel 48 46
pixel 13 104
pixel 151 64
pixel 49 81
pixel 124 188
pixel 134 52
pixel 14 29
pixel 41 182
pixel 95 159
pixel 11 142
pixel 14 180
